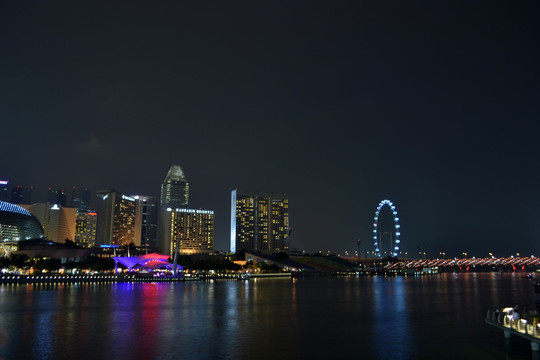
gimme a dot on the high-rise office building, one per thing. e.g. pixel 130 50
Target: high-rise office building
pixel 259 222
pixel 120 220
pixel 4 193
pixel 80 198
pixel 149 220
pixel 86 228
pixel 174 189
pixel 57 196
pixel 174 194
pixel 21 194
pixel 190 229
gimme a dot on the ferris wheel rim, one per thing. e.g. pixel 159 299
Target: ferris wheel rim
pixel 397 241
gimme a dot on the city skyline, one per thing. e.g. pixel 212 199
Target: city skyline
pixel 339 105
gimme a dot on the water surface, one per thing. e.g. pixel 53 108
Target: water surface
pixel 429 317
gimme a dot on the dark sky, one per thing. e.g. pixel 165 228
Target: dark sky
pixel 431 104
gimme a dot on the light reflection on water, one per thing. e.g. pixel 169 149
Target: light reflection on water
pixel 390 305
pixel 338 318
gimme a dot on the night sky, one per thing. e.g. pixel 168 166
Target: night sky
pixel 431 104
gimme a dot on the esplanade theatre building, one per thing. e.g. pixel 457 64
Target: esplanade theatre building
pixel 18 224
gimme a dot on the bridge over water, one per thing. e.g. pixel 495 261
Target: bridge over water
pixel 464 264
pixel 510 263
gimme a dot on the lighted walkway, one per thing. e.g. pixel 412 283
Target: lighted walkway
pixel 506 320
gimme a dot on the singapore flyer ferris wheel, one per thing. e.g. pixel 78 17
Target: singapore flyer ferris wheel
pixel 394 241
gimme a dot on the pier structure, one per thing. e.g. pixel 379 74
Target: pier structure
pixel 510 321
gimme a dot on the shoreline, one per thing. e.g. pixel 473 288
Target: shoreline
pixel 118 278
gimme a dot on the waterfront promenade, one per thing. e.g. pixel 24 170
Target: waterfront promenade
pixel 513 324
pixel 103 278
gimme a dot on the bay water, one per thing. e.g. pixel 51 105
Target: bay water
pixel 427 317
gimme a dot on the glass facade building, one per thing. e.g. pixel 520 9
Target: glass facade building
pixel 149 220
pixel 80 198
pixel 174 194
pixel 174 189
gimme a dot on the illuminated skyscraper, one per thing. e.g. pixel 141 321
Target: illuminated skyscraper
pixel 86 228
pixel 192 229
pixel 174 189
pixel 120 220
pixel 174 194
pixel 259 222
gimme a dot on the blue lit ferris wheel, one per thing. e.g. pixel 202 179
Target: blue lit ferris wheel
pixel 395 243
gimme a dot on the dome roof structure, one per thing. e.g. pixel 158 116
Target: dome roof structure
pixel 18 224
